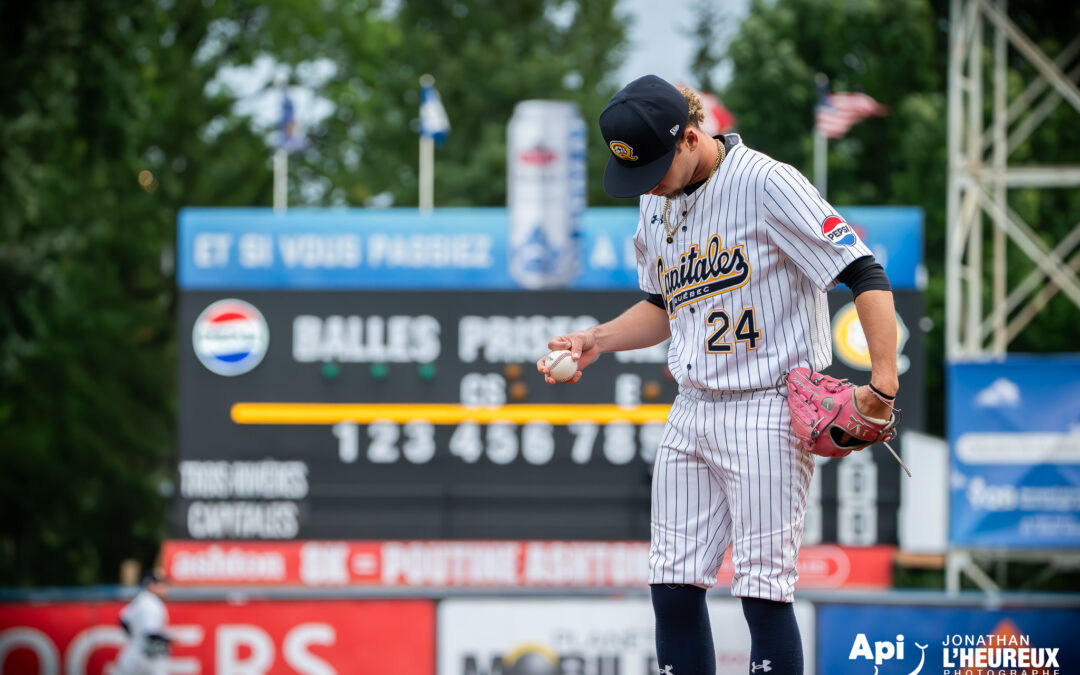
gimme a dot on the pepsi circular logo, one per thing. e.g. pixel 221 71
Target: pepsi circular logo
pixel 230 337
pixel 837 231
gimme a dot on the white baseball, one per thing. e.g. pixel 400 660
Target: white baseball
pixel 561 366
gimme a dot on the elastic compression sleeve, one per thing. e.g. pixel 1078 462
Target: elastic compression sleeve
pixel 656 299
pixel 864 274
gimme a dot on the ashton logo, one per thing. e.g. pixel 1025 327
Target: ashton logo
pixel 699 276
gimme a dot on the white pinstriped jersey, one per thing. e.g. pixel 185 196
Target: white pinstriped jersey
pixel 745 278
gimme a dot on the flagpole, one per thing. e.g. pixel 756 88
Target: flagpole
pixel 821 152
pixel 427 173
pixel 281 180
pixel 821 144
pixel 281 156
pixel 427 159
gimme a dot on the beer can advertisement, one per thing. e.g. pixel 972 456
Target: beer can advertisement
pixel 545 192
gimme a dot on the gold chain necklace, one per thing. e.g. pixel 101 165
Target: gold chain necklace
pixel 670 229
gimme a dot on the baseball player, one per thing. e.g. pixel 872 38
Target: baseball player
pixel 144 620
pixel 735 253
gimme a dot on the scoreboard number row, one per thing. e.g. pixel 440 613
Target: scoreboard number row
pixel 499 442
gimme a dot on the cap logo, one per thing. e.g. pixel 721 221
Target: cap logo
pixel 622 151
pixel 674 130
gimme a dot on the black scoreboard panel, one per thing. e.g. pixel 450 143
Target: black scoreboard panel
pixel 405 477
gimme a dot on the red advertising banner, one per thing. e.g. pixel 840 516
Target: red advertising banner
pixel 472 564
pixel 264 638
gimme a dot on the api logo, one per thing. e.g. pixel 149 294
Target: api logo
pixel 838 232
pixel 884 651
pixel 230 337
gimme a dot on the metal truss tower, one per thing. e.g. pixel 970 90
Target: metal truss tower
pixel 984 310
pixel 982 137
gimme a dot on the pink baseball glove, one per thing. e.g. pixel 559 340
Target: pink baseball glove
pixel 826 420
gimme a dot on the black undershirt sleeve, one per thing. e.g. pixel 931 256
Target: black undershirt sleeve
pixel 864 274
pixel 656 299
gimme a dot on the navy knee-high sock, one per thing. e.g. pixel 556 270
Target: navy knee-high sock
pixel 684 644
pixel 775 644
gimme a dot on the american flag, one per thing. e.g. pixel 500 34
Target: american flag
pixel 836 113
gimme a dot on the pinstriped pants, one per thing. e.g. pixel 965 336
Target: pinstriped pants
pixel 727 472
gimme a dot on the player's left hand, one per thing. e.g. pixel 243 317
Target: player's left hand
pixel 870 405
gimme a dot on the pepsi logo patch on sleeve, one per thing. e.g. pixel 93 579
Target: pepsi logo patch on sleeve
pixel 838 232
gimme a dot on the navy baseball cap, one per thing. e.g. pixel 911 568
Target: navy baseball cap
pixel 642 125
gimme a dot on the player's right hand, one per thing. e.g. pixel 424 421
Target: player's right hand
pixel 583 349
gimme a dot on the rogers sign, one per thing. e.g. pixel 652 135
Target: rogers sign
pixel 260 638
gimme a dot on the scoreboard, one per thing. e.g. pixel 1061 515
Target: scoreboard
pixel 370 375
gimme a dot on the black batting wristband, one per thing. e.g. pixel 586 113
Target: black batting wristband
pixel 865 274
pixel 881 393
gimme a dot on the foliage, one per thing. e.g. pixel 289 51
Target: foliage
pixel 99 146
pixel 485 57
pixel 707 35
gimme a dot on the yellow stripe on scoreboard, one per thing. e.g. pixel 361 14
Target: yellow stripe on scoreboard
pixel 442 413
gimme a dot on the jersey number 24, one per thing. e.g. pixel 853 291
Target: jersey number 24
pixel 746 330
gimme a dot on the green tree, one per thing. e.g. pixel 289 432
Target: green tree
pixel 708 53
pixel 104 134
pixel 485 56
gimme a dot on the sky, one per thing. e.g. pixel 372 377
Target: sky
pixel 661 37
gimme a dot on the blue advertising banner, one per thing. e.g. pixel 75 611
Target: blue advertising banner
pixel 1014 434
pixel 451 249
pixel 909 640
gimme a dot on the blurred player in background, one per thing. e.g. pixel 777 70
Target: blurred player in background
pixel 144 620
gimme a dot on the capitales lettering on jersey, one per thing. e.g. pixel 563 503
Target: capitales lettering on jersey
pixel 697 276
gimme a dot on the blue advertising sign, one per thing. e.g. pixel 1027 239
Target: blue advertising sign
pixel 910 640
pixel 451 249
pixel 1014 433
